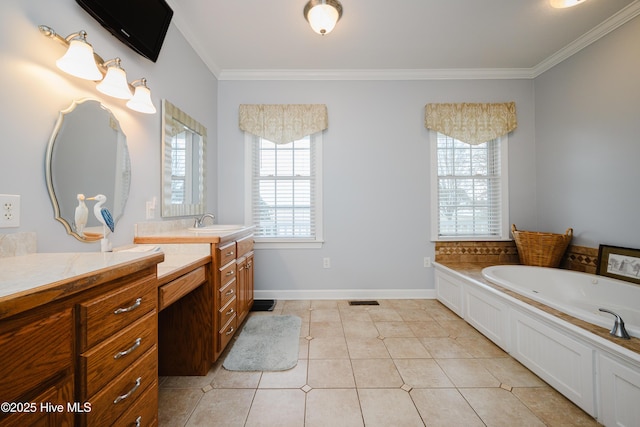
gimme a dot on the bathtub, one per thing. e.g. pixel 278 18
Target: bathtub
pixel 578 294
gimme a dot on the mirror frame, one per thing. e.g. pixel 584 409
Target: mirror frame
pixel 171 113
pixel 113 122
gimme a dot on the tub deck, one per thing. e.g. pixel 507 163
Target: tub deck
pixel 474 271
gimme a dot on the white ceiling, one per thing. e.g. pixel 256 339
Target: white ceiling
pixel 240 39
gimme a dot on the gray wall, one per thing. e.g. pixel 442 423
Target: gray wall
pixel 587 142
pixel 33 91
pixel 376 179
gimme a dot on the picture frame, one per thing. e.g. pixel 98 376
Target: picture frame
pixel 619 263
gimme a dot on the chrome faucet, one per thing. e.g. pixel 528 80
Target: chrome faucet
pixel 199 222
pixel 618 329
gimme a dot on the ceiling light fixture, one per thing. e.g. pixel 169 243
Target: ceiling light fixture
pixel 562 4
pixel 82 61
pixel 322 15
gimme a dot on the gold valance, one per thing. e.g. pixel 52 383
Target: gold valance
pixel 283 123
pixel 472 123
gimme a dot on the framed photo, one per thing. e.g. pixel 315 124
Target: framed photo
pixel 619 263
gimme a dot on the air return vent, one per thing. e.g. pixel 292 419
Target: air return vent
pixel 363 303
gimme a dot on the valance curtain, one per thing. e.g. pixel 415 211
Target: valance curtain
pixel 283 123
pixel 472 123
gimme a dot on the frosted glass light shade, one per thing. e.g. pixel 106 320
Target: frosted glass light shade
pixel 561 4
pixel 115 83
pixel 323 15
pixel 79 61
pixel 141 101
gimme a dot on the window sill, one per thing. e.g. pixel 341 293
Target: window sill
pixel 287 244
pixel 472 239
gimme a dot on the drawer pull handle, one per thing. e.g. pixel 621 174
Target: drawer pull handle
pixel 135 345
pixel 128 309
pixel 230 312
pixel 229 253
pixel 229 292
pixel 230 331
pixel 229 273
pixel 130 392
pixel 249 265
pixel 139 421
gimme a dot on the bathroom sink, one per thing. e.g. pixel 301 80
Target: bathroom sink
pixel 216 228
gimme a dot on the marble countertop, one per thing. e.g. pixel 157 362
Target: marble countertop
pixel 184 235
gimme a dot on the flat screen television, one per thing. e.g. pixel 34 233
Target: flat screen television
pixel 140 24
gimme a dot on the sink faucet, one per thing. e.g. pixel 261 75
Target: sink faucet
pixel 199 222
pixel 618 329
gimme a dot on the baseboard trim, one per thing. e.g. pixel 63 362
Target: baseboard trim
pixel 345 294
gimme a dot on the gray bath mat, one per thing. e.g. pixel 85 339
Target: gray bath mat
pixel 266 343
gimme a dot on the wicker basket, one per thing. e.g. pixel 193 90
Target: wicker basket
pixel 541 249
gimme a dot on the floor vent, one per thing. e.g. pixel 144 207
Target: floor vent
pixel 363 303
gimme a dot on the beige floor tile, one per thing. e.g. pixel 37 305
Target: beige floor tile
pixel 277 408
pixel 367 348
pixel 458 327
pixel 189 381
pixel 394 329
pixel 328 348
pixel 330 373
pixel 479 346
pixel 444 408
pixel 326 329
pixel 223 408
pixel 498 407
pixel 381 314
pixel 388 407
pixel 510 372
pixel 295 377
pixel 468 373
pixel 350 314
pixel 235 379
pixel 324 304
pixel 296 305
pixel 303 313
pixel 175 405
pixel 402 304
pixel 427 329
pixel 406 348
pixel 445 348
pixel 336 408
pixel 359 329
pixel 553 408
pixel 414 315
pixel 325 315
pixel 376 373
pixel 303 350
pixel 422 373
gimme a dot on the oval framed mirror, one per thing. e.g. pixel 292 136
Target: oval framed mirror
pixel 184 142
pixel 87 155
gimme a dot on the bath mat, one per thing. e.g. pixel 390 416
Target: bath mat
pixel 266 343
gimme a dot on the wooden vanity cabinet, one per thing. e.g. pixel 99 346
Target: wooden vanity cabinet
pixel 244 277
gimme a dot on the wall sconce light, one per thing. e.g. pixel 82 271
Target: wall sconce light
pixel 141 101
pixel 322 15
pixel 115 81
pixel 82 61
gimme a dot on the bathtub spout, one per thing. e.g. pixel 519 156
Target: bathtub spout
pixel 618 329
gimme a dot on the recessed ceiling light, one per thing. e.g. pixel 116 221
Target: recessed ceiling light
pixel 562 4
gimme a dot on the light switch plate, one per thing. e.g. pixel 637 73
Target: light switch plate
pixel 9 211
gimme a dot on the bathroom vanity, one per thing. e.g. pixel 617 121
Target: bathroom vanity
pixel 78 339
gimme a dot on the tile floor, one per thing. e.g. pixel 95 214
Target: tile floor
pixel 402 363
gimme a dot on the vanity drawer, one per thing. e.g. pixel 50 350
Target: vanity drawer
pixel 30 355
pixel 178 288
pixel 226 333
pixel 103 316
pixel 144 412
pixel 244 245
pixel 105 361
pixel 227 292
pixel 120 395
pixel 226 253
pixel 227 273
pixel 227 312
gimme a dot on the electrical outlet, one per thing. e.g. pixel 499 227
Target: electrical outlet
pixel 326 262
pixel 9 211
pixel 427 262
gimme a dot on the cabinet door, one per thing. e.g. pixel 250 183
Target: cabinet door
pixel 619 393
pixel 242 289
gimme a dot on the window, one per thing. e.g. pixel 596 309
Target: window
pixel 469 189
pixel 284 194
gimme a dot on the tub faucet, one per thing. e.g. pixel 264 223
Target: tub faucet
pixel 199 222
pixel 618 329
